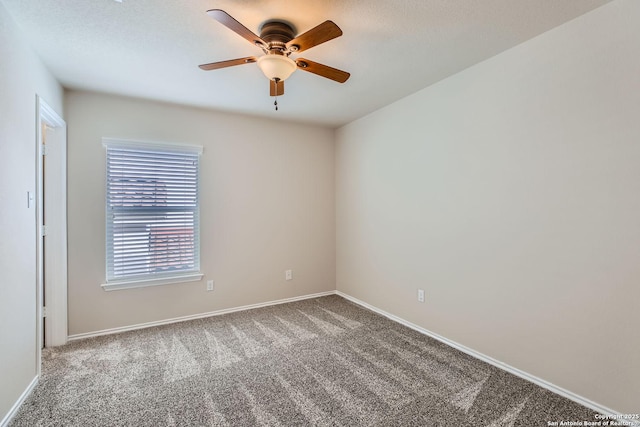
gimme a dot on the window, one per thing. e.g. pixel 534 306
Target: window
pixel 152 214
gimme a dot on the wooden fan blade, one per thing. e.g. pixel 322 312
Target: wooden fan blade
pixel 228 21
pixel 323 70
pixel 229 63
pixel 276 89
pixel 315 36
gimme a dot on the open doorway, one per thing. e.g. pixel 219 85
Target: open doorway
pixel 51 193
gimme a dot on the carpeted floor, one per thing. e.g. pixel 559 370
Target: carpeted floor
pixel 318 362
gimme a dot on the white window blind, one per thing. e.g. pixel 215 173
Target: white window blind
pixel 152 226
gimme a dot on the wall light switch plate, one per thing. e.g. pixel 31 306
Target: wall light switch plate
pixel 209 285
pixel 420 295
pixel 288 275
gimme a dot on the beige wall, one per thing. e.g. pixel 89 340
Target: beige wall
pixel 510 193
pixel 22 76
pixel 267 205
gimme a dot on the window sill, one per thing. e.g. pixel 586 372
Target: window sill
pixel 130 284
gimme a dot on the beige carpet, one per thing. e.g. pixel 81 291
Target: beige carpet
pixel 318 362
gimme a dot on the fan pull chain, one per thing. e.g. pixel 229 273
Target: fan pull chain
pixel 275 92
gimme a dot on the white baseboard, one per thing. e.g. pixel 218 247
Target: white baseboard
pixel 532 378
pixel 14 409
pixel 193 316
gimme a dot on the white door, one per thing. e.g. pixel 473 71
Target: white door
pixel 52 224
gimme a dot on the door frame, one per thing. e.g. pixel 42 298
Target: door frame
pixel 51 260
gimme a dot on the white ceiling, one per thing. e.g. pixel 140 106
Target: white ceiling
pixel 152 48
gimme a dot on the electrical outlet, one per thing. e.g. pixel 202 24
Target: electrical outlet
pixel 288 275
pixel 420 295
pixel 209 285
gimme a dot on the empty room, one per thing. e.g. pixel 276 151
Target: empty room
pixel 341 213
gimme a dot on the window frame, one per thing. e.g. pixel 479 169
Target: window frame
pixel 152 279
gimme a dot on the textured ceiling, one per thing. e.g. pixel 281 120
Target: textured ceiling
pixel 151 48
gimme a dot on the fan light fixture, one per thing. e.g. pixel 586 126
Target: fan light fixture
pixel 277 67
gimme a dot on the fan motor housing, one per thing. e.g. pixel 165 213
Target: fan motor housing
pixel 277 32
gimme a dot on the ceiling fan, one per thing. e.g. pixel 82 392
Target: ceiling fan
pixel 278 40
